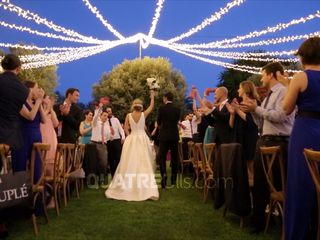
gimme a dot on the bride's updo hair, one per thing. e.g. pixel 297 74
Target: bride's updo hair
pixel 137 105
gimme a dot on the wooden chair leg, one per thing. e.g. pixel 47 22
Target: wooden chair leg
pixel 241 221
pixel 225 211
pixel 77 188
pixel 44 206
pixel 35 225
pixel 56 204
pixel 65 194
pixel 271 208
pixel 205 190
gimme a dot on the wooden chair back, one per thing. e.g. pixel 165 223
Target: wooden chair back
pixel 313 162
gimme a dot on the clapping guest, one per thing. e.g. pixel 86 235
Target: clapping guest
pixel 70 115
pixel 276 130
pixel 85 128
pixel 244 125
pixel 202 123
pixel 32 114
pixel 49 136
pixel 219 116
pixel 48 132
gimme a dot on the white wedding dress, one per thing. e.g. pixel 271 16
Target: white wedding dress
pixel 134 179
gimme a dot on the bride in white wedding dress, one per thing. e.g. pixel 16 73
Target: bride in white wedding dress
pixel 134 179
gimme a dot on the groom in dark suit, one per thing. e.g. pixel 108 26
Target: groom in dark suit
pixel 168 118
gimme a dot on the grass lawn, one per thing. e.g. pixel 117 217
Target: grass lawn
pixel 179 214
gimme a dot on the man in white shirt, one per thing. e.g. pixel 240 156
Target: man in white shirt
pixel 115 145
pixel 101 134
pixel 189 129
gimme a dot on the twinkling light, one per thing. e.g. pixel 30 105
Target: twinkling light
pixel 156 18
pixel 250 69
pixel 43 34
pixel 6 5
pixel 33 47
pixel 206 22
pixel 57 55
pixel 237 56
pixel 48 59
pixel 271 41
pixel 278 27
pixel 105 23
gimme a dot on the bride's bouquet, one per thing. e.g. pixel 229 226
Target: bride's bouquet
pixel 153 84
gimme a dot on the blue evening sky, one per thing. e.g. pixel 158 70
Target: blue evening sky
pixel 178 16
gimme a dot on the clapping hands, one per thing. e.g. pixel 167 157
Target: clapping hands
pixel 65 109
pixel 249 106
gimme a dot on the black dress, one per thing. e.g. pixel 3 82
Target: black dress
pixel 246 133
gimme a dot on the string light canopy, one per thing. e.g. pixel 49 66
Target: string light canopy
pixel 200 51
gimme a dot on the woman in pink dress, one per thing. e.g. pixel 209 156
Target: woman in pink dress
pixel 48 133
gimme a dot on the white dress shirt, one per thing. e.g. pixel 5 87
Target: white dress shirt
pixel 118 130
pixel 97 127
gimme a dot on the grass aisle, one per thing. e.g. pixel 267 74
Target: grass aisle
pixel 179 214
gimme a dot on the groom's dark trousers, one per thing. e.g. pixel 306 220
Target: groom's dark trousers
pixel 168 118
pixel 164 147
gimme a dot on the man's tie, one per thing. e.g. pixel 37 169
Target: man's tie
pixel 111 128
pixel 102 133
pixel 191 128
pixel 267 99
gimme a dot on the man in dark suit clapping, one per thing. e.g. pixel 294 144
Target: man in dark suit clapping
pixel 70 115
pixel 168 118
pixel 219 116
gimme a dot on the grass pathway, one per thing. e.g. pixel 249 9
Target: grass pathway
pixel 179 214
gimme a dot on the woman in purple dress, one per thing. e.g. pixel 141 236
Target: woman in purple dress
pixel 303 91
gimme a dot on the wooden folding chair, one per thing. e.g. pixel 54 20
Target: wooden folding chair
pixel 5 151
pixel 270 156
pixel 205 169
pixel 313 162
pixel 66 170
pixel 55 182
pixel 77 170
pixel 38 187
pixel 210 148
pixel 187 161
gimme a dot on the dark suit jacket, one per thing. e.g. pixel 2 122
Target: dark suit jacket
pixel 70 123
pixel 13 95
pixel 168 118
pixel 223 133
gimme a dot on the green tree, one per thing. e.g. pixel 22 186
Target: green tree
pixel 46 77
pixel 127 81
